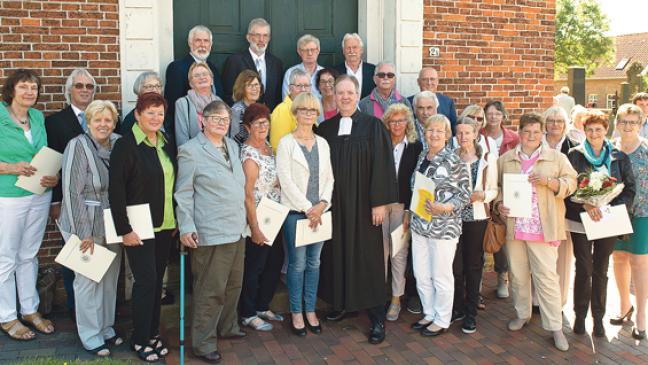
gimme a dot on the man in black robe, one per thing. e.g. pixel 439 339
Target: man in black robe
pixel 352 273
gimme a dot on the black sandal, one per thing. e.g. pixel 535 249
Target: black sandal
pixel 158 346
pixel 115 340
pixel 96 351
pixel 144 355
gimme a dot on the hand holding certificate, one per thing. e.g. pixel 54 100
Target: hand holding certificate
pixel 140 220
pixel 47 162
pixel 93 266
pixel 614 222
pixel 399 238
pixel 423 191
pixel 304 235
pixel 270 217
pixel 517 194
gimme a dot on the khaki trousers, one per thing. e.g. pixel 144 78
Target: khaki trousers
pixel 535 261
pixel 393 219
pixel 217 279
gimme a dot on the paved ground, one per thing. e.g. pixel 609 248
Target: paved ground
pixel 346 342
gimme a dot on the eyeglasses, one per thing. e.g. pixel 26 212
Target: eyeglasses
pixel 261 124
pixel 80 86
pixel 253 86
pixel 308 111
pixel 428 79
pixel 200 75
pixel 631 122
pixel 555 121
pixel 309 50
pixel 152 87
pixel 216 119
pixel 389 75
pixel 302 86
pixel 327 82
pixel 397 122
pixel 260 35
pixel 479 119
pixel 435 131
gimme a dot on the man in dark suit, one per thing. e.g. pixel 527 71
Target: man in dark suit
pixel 352 49
pixel 428 80
pixel 61 127
pixel 177 73
pixel 256 58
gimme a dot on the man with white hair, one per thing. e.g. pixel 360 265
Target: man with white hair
pixel 564 100
pixel 256 58
pixel 308 48
pixel 428 80
pixel 353 49
pixel 177 73
pixel 384 94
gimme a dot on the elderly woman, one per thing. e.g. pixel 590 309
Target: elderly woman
pixel 211 214
pixel 247 89
pixel 262 262
pixel 532 242
pixel 146 82
pixel 23 215
pixel 306 177
pixel 85 195
pixel 576 132
pixel 469 257
pixel 631 255
pixel 400 123
pixel 188 109
pixel 142 171
pixel 592 257
pixel 326 85
pixel 434 242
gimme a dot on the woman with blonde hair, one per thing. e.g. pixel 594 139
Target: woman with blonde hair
pixel 399 121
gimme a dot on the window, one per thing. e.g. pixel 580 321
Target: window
pixel 593 98
pixel 610 101
pixel 622 64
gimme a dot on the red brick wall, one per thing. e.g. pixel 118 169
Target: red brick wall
pixel 53 38
pixel 493 49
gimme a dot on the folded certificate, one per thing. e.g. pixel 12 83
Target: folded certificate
pixel 615 222
pixel 47 163
pixel 92 266
pixel 306 236
pixel 139 217
pixel 517 194
pixel 399 240
pixel 270 216
pixel 424 189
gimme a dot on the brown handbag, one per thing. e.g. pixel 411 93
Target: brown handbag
pixel 495 234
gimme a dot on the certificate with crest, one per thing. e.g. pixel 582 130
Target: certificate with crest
pixel 518 192
pixel 615 222
pixel 270 216
pixel 92 266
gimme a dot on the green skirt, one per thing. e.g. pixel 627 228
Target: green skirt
pixel 638 242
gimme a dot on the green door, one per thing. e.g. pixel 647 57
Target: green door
pixel 328 20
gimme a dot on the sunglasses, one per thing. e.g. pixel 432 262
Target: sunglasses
pixel 80 86
pixel 389 75
pixel 479 119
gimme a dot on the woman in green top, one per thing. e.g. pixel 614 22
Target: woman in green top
pixel 23 215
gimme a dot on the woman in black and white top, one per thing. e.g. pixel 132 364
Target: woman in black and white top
pixel 85 196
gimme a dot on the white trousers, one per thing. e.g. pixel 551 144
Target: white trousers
pixel 432 262
pixel 393 219
pixel 94 304
pixel 22 226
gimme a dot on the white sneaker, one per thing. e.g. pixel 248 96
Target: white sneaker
pixel 502 286
pixel 560 341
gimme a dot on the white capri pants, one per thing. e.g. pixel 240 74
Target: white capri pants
pixel 393 219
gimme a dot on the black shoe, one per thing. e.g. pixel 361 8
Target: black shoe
pixel 299 332
pixel 236 334
pixel 418 325
pixel 457 316
pixel 315 329
pixel 579 326
pixel 619 320
pixel 427 333
pixel 638 334
pixel 469 325
pixel 167 299
pixel 535 309
pixel 212 357
pixel 599 329
pixel 377 333
pixel 336 316
pixel 414 305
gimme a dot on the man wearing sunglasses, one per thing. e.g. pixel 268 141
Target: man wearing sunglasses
pixel 428 80
pixel 61 127
pixel 384 94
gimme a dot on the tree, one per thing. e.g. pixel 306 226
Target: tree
pixel 580 36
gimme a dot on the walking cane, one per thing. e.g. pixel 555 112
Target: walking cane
pixel 183 253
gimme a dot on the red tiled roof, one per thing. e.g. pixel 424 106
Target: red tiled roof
pixel 633 47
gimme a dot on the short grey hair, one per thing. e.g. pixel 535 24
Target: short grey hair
pixel 307 38
pixel 425 95
pixel 556 111
pixel 294 74
pixel 70 82
pixel 384 63
pixel 258 22
pixel 196 29
pixel 352 36
pixel 351 78
pixel 141 80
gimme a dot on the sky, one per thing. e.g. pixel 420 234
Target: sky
pixel 626 16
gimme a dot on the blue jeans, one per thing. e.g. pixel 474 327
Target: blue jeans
pixel 303 268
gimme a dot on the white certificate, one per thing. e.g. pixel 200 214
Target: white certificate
pixel 517 194
pixel 139 217
pixel 399 240
pixel 304 235
pixel 615 222
pixel 270 217
pixel 47 163
pixel 92 266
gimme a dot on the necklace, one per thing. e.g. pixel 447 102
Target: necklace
pixel 15 117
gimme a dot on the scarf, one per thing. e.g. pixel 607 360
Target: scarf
pixel 200 102
pixel 604 158
pixel 380 104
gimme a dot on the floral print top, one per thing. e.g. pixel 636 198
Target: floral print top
pixel 267 183
pixel 639 162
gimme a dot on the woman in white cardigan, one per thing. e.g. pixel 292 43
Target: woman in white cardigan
pixel 306 178
pixel 469 256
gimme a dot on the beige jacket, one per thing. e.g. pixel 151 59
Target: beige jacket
pixel 551 205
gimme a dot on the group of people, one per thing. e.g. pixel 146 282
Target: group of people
pixel 204 151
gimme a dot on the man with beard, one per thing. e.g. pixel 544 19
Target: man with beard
pixel 177 73
pixel 352 265
pixel 256 58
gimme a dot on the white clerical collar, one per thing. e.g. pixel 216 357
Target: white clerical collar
pixel 345 126
pixel 256 57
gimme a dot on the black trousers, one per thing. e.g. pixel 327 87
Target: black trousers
pixel 148 262
pixel 590 282
pixel 467 267
pixel 377 314
pixel 410 280
pixel 261 275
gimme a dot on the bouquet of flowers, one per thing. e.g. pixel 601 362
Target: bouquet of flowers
pixel 596 188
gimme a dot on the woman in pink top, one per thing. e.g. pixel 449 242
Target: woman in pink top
pixel 325 83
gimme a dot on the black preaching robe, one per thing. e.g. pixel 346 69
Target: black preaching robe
pixel 352 273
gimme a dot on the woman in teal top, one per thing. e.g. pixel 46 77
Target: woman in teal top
pixel 23 215
pixel 631 255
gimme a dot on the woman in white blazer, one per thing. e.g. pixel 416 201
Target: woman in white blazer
pixel 469 256
pixel 306 178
